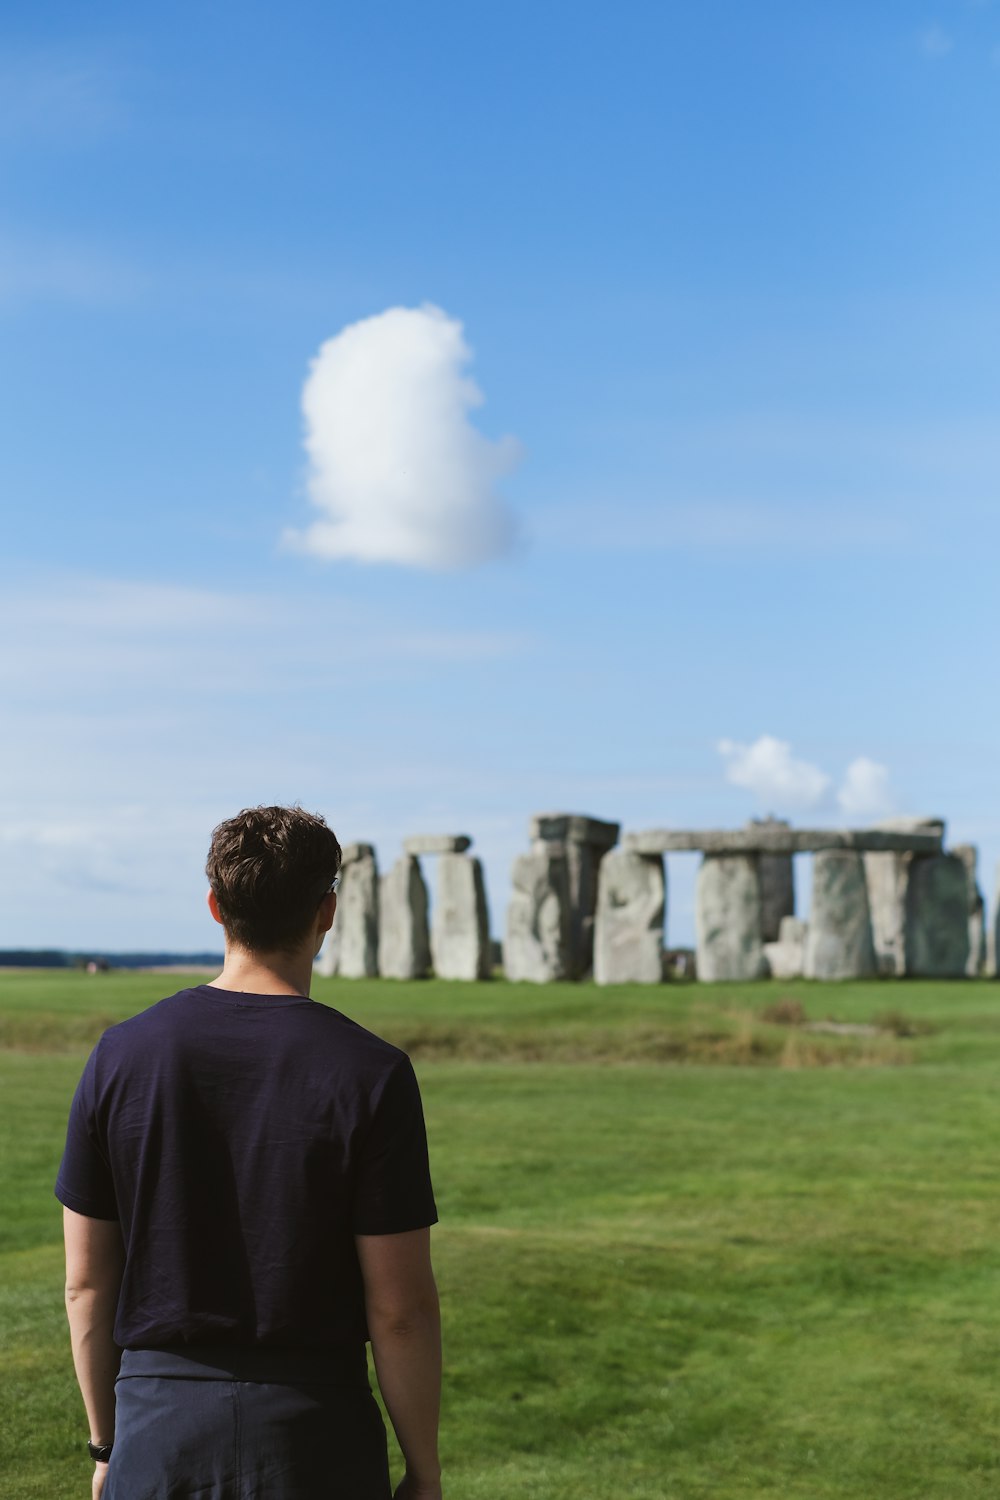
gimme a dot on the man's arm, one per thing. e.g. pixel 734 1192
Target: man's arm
pixel 404 1325
pixel 95 1258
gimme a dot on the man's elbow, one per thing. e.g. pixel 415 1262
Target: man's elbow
pixel 404 1318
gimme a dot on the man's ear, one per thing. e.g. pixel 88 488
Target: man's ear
pixel 213 907
pixel 327 911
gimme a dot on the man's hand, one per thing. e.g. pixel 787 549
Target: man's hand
pixel 405 1328
pixel 100 1475
pixel 412 1489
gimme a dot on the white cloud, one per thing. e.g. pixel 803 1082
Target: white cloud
pixel 397 471
pixel 770 771
pixel 935 42
pixel 864 794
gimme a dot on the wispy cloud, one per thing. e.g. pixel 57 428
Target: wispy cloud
pixel 77 639
pixel 397 470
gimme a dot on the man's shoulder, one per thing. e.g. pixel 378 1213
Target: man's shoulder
pixel 363 1041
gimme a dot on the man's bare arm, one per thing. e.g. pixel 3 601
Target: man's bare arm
pixel 95 1258
pixel 404 1324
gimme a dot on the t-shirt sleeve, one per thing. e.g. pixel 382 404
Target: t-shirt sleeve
pixel 393 1189
pixel 84 1183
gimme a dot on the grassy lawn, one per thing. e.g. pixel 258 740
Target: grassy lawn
pixel 685 1251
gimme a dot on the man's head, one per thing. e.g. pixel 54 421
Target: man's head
pixel 269 869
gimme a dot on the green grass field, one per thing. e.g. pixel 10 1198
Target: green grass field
pixel 684 1251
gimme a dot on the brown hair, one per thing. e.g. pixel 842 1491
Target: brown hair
pixel 270 867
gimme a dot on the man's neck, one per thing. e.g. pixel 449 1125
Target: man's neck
pixel 265 973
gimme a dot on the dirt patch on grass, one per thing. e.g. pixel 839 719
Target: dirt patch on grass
pixel 733 1039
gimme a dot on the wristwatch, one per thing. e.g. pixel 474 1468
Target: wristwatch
pixel 99 1452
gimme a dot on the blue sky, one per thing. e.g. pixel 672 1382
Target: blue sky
pixel 727 285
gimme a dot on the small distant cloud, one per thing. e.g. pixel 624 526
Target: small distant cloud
pixel 934 41
pixel 865 794
pixel 771 772
pixel 397 470
pixel 783 784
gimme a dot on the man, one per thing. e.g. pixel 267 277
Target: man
pixel 247 1200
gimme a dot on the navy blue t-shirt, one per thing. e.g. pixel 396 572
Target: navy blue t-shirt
pixel 242 1141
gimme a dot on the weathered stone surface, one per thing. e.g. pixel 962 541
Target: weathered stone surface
pixel 536 947
pixel 776 840
pixel 351 853
pixel 437 843
pixel 628 932
pixel 460 928
pixel 351 947
pixel 404 946
pixel 976 962
pixel 786 956
pixel 777 882
pixel 728 928
pixel 839 944
pixel 937 917
pixel 585 840
pixel 575 828
pixel 887 875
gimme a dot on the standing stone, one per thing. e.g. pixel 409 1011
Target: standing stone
pixel 460 926
pixel 437 843
pixel 628 931
pixel 786 958
pixel 404 947
pixel 777 884
pixel 937 917
pixel 538 917
pixel 728 924
pixel 586 840
pixel 351 947
pixel 840 944
pixel 976 963
pixel 887 876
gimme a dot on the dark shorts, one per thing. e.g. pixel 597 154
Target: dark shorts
pixel 254 1425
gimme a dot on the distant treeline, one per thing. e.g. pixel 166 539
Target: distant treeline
pixel 58 958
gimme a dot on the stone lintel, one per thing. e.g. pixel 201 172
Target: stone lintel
pixel 351 853
pixel 437 843
pixel 764 840
pixel 574 828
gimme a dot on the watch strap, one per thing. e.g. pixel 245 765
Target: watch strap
pixel 100 1452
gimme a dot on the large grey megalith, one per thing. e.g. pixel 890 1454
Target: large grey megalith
pixel 537 942
pixel 839 944
pixel 937 917
pixel 404 950
pixel 887 874
pixel 628 931
pixel 352 944
pixel 585 841
pixel 460 924
pixel 729 934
